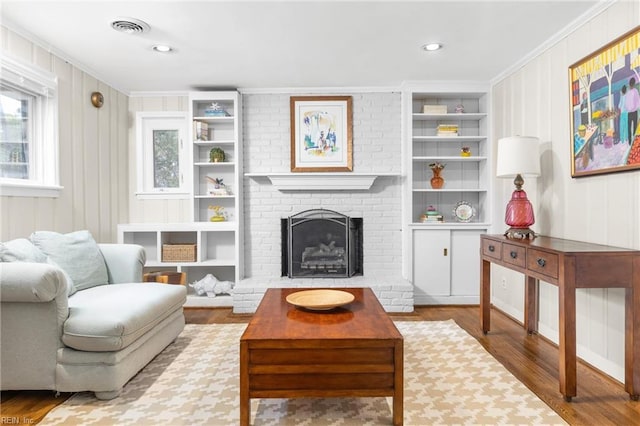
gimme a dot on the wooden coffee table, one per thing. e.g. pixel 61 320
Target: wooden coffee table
pixel 351 351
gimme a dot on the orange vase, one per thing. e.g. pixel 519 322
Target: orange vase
pixel 437 181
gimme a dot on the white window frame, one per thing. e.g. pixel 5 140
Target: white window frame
pixel 44 178
pixel 146 122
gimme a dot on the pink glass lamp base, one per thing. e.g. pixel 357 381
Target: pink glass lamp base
pixel 519 216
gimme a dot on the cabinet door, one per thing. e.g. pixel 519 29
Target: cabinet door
pixel 431 264
pixel 465 261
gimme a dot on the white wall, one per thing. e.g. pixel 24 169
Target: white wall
pixel 376 148
pixel 266 148
pixel 93 155
pixel 601 209
pixel 146 210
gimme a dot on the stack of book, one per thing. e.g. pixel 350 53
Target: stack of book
pixel 447 130
pixel 200 131
pixel 431 216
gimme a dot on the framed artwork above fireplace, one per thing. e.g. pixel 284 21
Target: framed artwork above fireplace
pixel 321 134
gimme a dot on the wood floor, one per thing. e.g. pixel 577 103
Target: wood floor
pixel 532 359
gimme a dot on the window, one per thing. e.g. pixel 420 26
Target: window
pixel 161 154
pixel 28 130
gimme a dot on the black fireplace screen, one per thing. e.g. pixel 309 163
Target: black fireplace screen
pixel 321 244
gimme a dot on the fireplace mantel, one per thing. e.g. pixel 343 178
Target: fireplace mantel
pixel 321 181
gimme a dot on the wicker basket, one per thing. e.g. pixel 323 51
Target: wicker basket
pixel 179 252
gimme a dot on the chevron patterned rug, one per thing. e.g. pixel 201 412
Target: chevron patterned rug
pixel 449 379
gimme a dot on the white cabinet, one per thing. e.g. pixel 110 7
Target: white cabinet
pixel 216 252
pixel 431 265
pixel 443 256
pixel 446 266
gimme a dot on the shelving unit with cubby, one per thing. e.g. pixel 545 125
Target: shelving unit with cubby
pixel 218 244
pixel 217 252
pixel 439 253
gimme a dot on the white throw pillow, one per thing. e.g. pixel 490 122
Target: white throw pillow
pixel 21 250
pixel 77 254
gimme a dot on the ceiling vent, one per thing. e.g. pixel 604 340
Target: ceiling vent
pixel 130 25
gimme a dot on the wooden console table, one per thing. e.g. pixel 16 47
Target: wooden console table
pixel 568 265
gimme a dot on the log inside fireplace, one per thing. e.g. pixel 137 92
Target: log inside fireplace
pixel 321 243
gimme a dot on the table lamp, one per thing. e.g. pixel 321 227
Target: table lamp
pixel 518 156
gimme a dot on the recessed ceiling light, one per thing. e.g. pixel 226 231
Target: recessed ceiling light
pixel 430 47
pixel 162 48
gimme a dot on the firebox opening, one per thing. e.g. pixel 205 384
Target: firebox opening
pixel 321 244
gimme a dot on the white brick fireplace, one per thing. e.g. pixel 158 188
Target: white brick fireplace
pixel 376 149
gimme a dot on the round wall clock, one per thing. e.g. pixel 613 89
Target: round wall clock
pixel 464 211
pixel 97 100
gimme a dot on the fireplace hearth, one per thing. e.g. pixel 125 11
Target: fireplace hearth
pixel 321 243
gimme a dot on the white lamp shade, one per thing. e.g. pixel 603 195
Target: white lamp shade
pixel 518 155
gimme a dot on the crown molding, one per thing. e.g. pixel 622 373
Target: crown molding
pixel 7 23
pixel 151 93
pixel 581 20
pixel 322 90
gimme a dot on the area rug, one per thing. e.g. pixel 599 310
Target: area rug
pixel 449 379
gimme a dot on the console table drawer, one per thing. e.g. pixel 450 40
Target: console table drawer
pixel 514 255
pixel 543 262
pixel 492 249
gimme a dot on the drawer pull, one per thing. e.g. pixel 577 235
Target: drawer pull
pixel 492 248
pixel 514 254
pixel 541 262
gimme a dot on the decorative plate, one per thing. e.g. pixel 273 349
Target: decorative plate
pixel 464 211
pixel 320 300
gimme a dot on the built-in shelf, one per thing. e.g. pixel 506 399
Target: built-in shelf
pixel 220 301
pixel 451 224
pixel 321 181
pixel 450 116
pixel 436 158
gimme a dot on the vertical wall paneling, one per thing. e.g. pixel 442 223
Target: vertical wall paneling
pixel 62 207
pixel 87 139
pixel 90 163
pixel 77 160
pixel 146 210
pixel 104 142
pixel 598 209
pixel 120 157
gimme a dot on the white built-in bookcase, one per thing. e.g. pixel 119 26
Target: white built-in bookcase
pixel 218 244
pixel 442 257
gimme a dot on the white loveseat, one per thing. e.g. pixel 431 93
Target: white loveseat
pixel 91 338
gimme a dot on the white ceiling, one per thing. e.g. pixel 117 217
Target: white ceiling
pixel 289 44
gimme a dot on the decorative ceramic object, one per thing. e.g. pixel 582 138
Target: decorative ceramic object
pixel 437 181
pixel 219 214
pixel 459 109
pixel 464 212
pixel 215 110
pixel 217 155
pixel 465 151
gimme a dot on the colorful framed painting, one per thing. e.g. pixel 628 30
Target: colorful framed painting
pixel 605 105
pixel 321 134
